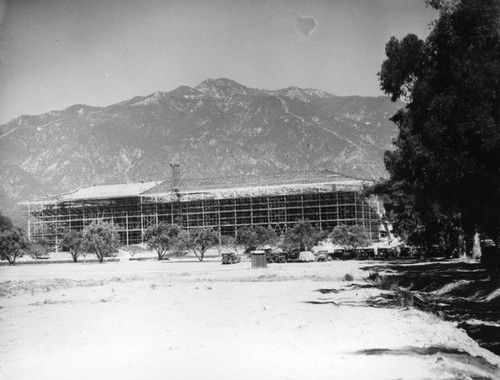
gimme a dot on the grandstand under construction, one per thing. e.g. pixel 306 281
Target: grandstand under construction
pixel 325 198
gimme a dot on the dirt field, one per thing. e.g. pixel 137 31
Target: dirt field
pixel 191 320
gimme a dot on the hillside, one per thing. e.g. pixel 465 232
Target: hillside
pixel 219 128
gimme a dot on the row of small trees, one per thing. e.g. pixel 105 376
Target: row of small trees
pixel 170 239
pixel 98 238
pixel 102 240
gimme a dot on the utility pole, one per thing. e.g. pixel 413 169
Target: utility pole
pixel 176 195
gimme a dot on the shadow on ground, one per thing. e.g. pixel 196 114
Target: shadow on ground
pixel 441 353
pixel 430 276
pixel 454 290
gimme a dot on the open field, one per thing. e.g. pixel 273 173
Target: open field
pixel 190 320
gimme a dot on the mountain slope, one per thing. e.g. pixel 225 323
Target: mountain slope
pixel 218 128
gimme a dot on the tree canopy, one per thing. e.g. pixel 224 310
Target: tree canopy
pixel 252 237
pixel 101 239
pixel 13 243
pixel 5 222
pixel 200 240
pixel 349 236
pixel 445 169
pixel 302 236
pixel 72 241
pixel 163 238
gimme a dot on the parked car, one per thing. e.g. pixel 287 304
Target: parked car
pixel 349 254
pixel 322 256
pixel 429 253
pixel 293 255
pixel 385 253
pixel 365 253
pixel 337 254
pixel 405 253
pixel 230 258
pixel 276 257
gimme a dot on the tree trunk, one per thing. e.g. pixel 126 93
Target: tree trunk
pixel 199 255
pixel 476 247
pixel 11 259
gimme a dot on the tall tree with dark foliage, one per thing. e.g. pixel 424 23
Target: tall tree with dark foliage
pixel 445 171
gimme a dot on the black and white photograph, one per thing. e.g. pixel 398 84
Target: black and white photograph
pixel 250 189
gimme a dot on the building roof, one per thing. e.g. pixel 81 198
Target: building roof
pixel 219 187
pixel 109 191
pixel 254 181
pixel 256 185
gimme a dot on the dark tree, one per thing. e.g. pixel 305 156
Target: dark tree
pixel 101 239
pixel 200 240
pixel 253 237
pixel 349 236
pixel 13 244
pixel 247 237
pixel 445 171
pixel 163 238
pixel 5 222
pixel 72 242
pixel 302 236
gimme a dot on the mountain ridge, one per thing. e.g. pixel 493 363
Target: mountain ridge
pixel 217 128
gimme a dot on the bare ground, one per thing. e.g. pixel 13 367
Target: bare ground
pixel 191 320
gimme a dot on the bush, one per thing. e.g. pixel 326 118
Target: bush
pixel 38 251
pixel 386 282
pixel 348 277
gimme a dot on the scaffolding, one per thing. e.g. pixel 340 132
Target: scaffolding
pixel 225 210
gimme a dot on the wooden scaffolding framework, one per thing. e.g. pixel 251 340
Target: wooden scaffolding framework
pixel 226 211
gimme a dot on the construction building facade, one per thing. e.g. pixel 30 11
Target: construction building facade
pixel 325 199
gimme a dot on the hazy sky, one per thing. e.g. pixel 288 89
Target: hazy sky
pixel 55 53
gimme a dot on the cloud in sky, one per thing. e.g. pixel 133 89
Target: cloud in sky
pixel 61 52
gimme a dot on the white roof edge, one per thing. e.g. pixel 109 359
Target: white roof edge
pixel 113 191
pixel 48 201
pixel 149 185
pixel 236 189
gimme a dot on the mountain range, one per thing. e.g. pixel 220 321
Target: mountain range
pixel 219 128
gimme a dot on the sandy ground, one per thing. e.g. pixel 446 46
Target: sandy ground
pixel 191 320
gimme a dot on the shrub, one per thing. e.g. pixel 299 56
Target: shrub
pixel 348 277
pixel 37 251
pixel 386 282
